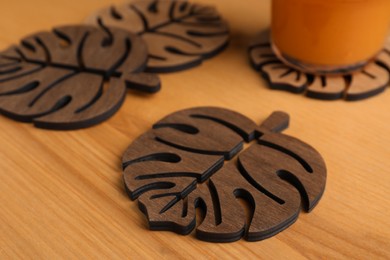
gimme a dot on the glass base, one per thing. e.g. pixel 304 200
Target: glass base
pixel 318 69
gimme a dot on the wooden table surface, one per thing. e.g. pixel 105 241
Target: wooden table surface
pixel 61 193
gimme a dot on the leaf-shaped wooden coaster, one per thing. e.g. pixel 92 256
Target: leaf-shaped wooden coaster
pixel 372 80
pixel 179 34
pixel 56 79
pixel 187 161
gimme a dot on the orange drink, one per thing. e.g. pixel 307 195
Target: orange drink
pixel 329 36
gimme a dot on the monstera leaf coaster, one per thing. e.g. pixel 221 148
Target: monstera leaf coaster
pixel 179 34
pixel 73 76
pixel 372 80
pixel 195 159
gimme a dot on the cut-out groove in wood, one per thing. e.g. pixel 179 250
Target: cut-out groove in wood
pixel 179 34
pixel 372 80
pixel 72 77
pixel 187 161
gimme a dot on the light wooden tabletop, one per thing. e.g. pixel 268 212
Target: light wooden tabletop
pixel 61 193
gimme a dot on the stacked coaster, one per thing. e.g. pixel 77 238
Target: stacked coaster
pixel 76 76
pixel 371 81
pixel 187 161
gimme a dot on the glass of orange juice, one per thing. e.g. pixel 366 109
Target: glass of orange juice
pixel 329 36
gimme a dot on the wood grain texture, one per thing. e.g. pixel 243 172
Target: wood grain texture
pixel 187 162
pixel 179 34
pixel 56 79
pixel 372 80
pixel 62 195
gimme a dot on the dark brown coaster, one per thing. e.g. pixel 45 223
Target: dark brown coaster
pixel 72 77
pixel 179 34
pixel 372 80
pixel 194 159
